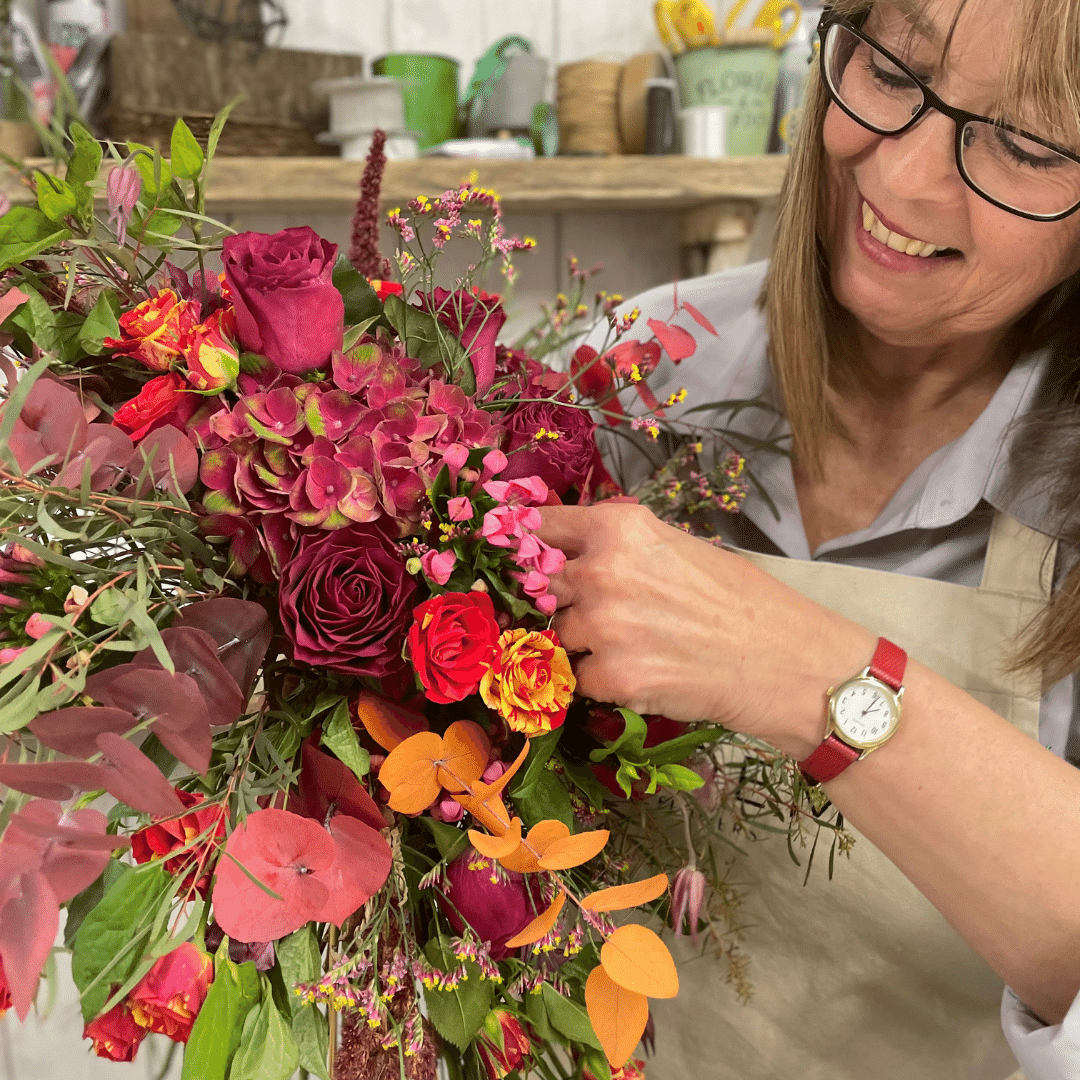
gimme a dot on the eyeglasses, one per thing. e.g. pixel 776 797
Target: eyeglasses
pixel 1010 168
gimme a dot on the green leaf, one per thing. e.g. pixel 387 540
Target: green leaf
pixel 361 302
pixel 54 332
pixel 355 333
pixel 218 126
pixel 569 1018
pixel 585 781
pixel 536 1011
pixel 111 606
pixel 22 708
pixel 82 168
pixel 631 743
pixel 597 1064
pixel 540 750
pixel 185 152
pixel 299 961
pixel 678 778
pixel 100 324
pixel 428 341
pixel 340 736
pixel 80 906
pixel 216 1033
pixel 56 198
pixel 312 1040
pixel 679 749
pixel 26 232
pixel 269 1052
pixel 451 842
pixel 546 798
pixel 123 918
pixel 457 1014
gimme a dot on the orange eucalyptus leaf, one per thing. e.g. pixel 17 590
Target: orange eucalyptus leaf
pixel 466 749
pixel 497 786
pixel 540 926
pixel 541 836
pixel 484 801
pixel 410 759
pixel 574 850
pixel 618 1016
pixel 619 897
pixel 636 959
pixel 497 847
pixel 415 796
pixel 388 724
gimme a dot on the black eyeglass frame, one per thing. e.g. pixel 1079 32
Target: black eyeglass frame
pixel 960 117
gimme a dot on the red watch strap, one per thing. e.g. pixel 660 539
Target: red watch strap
pixel 889 663
pixel 829 760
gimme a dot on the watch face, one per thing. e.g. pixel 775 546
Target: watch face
pixel 864 713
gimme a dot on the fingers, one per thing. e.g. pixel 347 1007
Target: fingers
pixel 569 624
pixel 566 528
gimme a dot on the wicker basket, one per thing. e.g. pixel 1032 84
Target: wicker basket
pixel 158 77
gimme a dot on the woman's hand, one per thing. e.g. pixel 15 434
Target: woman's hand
pixel 671 624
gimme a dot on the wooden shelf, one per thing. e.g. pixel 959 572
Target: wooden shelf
pixel 563 183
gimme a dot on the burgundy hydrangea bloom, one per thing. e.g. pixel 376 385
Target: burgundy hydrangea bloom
pixel 346 601
pixel 549 440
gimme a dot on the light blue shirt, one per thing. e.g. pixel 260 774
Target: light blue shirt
pixel 937 525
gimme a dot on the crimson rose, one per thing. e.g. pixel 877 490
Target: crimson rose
pixel 345 600
pixel 287 308
pixel 452 641
pixel 163 401
pixel 549 440
pixel 496 906
pixel 475 319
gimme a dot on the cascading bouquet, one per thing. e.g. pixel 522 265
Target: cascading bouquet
pixel 273 600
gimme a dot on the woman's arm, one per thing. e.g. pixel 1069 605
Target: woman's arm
pixel 981 818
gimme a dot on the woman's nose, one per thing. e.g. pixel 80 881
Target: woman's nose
pixel 921 163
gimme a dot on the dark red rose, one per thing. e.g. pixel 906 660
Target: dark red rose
pixel 475 320
pixel 549 440
pixel 115 1034
pixel 345 601
pixel 287 308
pixel 452 641
pixel 164 400
pixel 159 840
pixel 494 902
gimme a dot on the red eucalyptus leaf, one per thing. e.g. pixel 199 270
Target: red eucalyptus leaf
pixel 109 452
pixel 173 461
pixel 181 719
pixel 74 731
pixel 677 342
pixel 360 869
pixel 242 631
pixel 28 925
pixel 53 779
pixel 135 780
pixel 328 787
pixel 290 855
pixel 194 653
pixel 699 319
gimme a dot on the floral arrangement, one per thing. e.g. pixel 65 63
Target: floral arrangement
pixel 287 732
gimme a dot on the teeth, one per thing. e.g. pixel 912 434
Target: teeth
pixel 897 241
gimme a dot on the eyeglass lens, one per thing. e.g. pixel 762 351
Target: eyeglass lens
pixel 1022 174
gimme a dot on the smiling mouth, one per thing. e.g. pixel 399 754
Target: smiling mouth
pixel 906 245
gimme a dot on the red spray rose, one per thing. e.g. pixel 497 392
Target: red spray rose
pixel 171 993
pixel 210 351
pixel 452 641
pixel 500 1061
pixel 153 332
pixel 345 600
pixel 162 401
pixel 287 308
pixel 115 1034
pixel 160 839
pixel 493 902
pixel 549 440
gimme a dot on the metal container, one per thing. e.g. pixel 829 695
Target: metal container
pixel 429 87
pixel 660 134
pixel 513 98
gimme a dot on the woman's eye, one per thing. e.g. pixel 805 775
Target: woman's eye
pixel 1025 152
pixel 888 74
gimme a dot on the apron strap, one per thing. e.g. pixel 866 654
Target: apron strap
pixel 1019 560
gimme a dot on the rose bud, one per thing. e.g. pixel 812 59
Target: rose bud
pixel 115 1035
pixel 503 1045
pixel 170 995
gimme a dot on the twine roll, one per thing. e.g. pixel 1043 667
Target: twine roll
pixel 588 94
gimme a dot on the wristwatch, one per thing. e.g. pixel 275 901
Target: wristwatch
pixel 864 714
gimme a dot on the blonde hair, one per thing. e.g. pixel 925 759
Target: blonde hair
pixel 806 349
pixel 802 317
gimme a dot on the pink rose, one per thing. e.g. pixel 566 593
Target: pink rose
pixel 171 993
pixel 287 308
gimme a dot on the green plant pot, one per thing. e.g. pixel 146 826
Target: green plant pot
pixel 429 88
pixel 742 78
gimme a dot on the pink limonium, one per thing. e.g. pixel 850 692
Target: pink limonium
pixel 687 897
pixel 460 509
pixel 122 190
pixel 438 565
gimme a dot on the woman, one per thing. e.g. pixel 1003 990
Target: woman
pixel 921 298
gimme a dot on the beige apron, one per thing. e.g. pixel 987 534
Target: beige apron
pixel 860 978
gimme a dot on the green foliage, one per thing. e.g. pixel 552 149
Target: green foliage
pixel 457 1014
pixel 79 907
pixel 299 960
pixel 116 933
pixel 449 841
pixel 25 232
pixel 544 798
pixel 235 993
pixel 186 155
pixel 428 341
pixel 56 198
pixel 100 324
pixel 361 303
pixel 82 170
pixel 339 735
pixel 568 1018
pixel 267 1049
pixel 53 332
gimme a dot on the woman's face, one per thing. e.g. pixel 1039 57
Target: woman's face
pixel 911 186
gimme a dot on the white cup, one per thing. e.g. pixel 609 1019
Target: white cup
pixel 704 131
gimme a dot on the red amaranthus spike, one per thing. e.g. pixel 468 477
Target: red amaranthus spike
pixel 364 252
